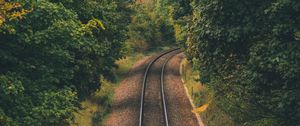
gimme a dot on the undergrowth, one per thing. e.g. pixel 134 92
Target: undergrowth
pixel 203 98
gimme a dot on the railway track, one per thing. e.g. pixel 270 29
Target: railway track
pixel 153 107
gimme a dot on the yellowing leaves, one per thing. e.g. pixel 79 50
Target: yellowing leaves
pixel 201 109
pixel 10 11
pixel 95 23
pixel 18 14
pixel 1 20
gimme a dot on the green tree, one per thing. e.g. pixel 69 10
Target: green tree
pixel 54 58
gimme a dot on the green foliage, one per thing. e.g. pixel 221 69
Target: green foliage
pixel 142 32
pixel 150 26
pixel 177 15
pixel 56 57
pixel 249 54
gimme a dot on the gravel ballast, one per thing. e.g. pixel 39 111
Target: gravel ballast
pixel 153 108
pixel 179 106
pixel 126 101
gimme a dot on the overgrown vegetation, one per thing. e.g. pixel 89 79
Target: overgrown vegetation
pixel 95 108
pixel 54 55
pixel 203 98
pixel 248 53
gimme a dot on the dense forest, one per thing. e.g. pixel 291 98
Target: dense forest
pixel 54 52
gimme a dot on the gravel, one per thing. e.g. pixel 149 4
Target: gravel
pixel 178 105
pixel 153 109
pixel 126 101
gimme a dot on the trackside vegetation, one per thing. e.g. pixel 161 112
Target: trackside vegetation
pixel 248 53
pixel 203 98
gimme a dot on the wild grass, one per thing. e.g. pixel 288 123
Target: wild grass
pixel 125 64
pixel 95 108
pixel 203 98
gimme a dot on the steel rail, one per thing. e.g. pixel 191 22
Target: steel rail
pixel 162 90
pixel 145 81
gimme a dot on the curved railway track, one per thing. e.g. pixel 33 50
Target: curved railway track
pixel 168 55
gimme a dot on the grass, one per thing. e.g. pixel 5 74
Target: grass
pixel 125 64
pixel 95 108
pixel 203 98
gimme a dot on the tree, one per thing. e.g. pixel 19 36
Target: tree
pixel 54 58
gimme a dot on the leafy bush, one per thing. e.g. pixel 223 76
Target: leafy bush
pixel 249 54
